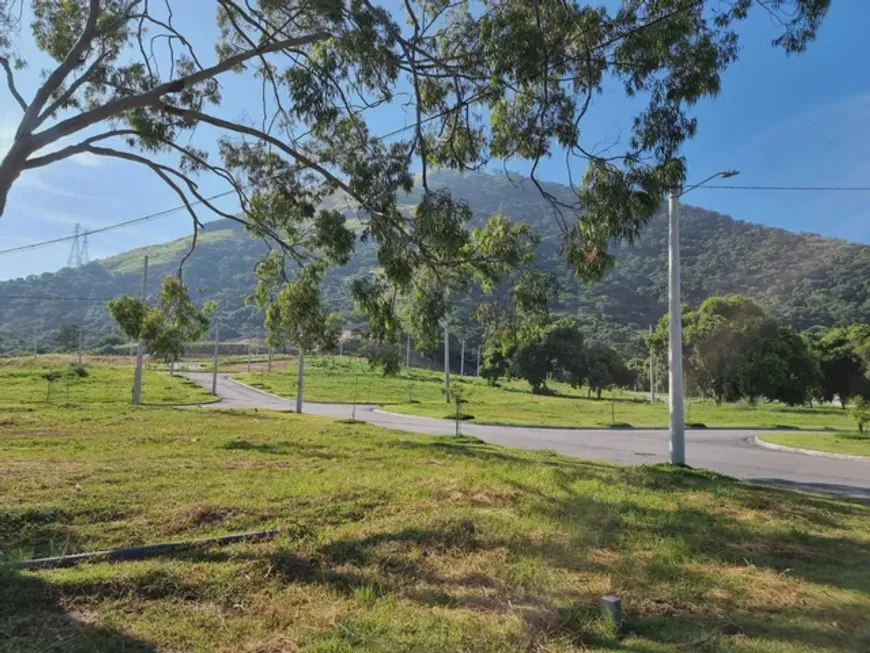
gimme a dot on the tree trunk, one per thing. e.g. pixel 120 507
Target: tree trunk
pixel 599 393
pixel 10 169
pixel 299 379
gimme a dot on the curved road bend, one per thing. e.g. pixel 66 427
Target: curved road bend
pixel 724 451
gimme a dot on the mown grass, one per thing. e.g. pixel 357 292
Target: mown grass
pixel 397 542
pixel 847 443
pixel 22 383
pixel 236 363
pixel 341 380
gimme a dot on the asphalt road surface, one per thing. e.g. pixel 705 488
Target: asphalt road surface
pixel 725 451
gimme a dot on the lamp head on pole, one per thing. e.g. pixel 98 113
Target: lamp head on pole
pixel 724 174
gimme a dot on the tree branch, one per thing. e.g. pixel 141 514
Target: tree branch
pixel 68 93
pixel 120 105
pixel 173 33
pixel 256 133
pixel 86 146
pixel 161 171
pixel 55 79
pixel 10 80
pixel 72 150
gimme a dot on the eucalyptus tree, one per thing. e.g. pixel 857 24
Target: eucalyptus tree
pixel 167 326
pixel 130 80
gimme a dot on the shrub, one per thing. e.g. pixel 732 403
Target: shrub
pixel 77 369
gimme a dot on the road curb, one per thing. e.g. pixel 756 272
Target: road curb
pixel 545 427
pixel 387 412
pixel 549 427
pixel 757 441
pixel 317 403
pixel 262 392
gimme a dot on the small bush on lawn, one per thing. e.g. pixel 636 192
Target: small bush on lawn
pixel 861 413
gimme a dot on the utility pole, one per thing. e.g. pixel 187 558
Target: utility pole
pixel 408 351
pixel 299 378
pixel 214 372
pixel 140 345
pixel 34 345
pixel 462 359
pixel 249 352
pixel 446 361
pixel 675 322
pixel 652 371
pixel 675 336
pixel 81 329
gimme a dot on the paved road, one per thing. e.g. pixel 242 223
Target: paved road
pixel 725 451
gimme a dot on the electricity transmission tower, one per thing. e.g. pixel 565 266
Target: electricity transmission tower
pixel 78 254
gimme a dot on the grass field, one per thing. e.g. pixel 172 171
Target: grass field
pixel 21 382
pixel 397 542
pixel 848 443
pixel 340 380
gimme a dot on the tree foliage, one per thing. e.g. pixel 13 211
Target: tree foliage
pixel 384 355
pixel 844 366
pixel 166 327
pixel 799 279
pixel 128 83
pixel 605 369
pixel 68 336
pixel 734 350
pixel 294 312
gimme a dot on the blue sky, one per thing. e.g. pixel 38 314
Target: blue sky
pixel 799 120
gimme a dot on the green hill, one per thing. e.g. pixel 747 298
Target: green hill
pixel 802 279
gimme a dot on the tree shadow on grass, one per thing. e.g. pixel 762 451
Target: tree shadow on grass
pixel 287 448
pixel 667 595
pixel 464 446
pixel 32 619
pixel 675 616
pixel 667 600
pixel 835 560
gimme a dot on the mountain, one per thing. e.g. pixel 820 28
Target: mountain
pixel 802 279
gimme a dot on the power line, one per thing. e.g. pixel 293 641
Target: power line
pixel 789 188
pixel 110 227
pixel 176 209
pixel 473 98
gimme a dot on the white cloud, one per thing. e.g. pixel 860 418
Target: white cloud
pixel 54 216
pixel 39 182
pixel 89 160
pixel 845 110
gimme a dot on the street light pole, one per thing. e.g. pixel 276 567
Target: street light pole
pixel 675 325
pixel 214 372
pixel 652 371
pixel 446 361
pixel 675 336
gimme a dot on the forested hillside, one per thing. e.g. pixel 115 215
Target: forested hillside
pixel 800 279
